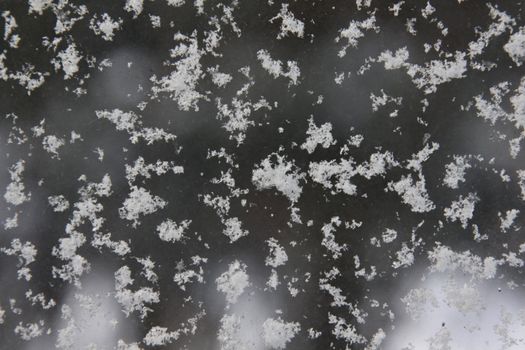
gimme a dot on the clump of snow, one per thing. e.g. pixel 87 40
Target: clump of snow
pixel 51 144
pixel 14 192
pixel 394 61
pixel 38 6
pixel 105 26
pixel 58 202
pixel 283 175
pixel 277 255
pixel 413 194
pixel 141 168
pixel 133 300
pixel 140 202
pixel 508 220
pixel 170 231
pixel 455 172
pixel 68 60
pixel 233 282
pixel 344 330
pixel 229 334
pixel 444 259
pixel 422 156
pixel 437 72
pixel 30 330
pixel 233 229
pixel 277 333
pixel 321 135
pixel 389 235
pixel 120 248
pixel 354 32
pixel 329 238
pixel 515 47
pixel 462 210
pixel 521 182
pixel 158 336
pixel 135 6
pixel 289 24
pixel 26 253
pixel 275 67
pixel 181 83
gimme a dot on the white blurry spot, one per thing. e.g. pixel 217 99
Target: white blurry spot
pixel 88 317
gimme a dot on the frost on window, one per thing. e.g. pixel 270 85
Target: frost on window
pixel 261 175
